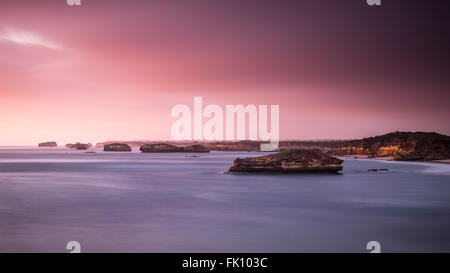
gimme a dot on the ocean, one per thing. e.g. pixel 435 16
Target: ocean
pixel 142 202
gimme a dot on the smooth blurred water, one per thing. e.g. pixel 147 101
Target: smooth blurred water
pixel 135 202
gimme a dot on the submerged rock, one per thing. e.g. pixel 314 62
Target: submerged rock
pixel 168 148
pixel 378 170
pixel 117 147
pixel 48 144
pixel 291 161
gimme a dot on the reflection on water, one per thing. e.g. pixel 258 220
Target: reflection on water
pixel 120 202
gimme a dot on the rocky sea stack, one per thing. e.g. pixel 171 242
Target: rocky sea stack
pixel 117 147
pixel 168 148
pixel 78 146
pixel 51 144
pixel 290 161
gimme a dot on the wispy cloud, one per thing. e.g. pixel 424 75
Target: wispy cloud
pixel 27 38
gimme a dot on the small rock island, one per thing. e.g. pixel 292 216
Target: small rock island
pixel 79 146
pixel 51 144
pixel 168 148
pixel 290 161
pixel 117 147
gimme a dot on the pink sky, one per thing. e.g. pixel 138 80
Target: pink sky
pixel 113 70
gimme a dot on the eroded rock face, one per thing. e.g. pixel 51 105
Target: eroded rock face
pixel 117 147
pixel 48 144
pixel 167 148
pixel 399 145
pixel 291 161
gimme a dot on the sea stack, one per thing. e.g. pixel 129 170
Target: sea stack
pixel 51 144
pixel 168 148
pixel 78 146
pixel 117 147
pixel 290 161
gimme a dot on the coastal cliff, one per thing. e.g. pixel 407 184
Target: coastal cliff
pixel 406 146
pixel 168 148
pixel 51 144
pixel 291 161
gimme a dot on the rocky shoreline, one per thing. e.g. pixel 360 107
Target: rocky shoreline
pixel 400 146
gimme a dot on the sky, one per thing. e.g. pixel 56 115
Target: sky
pixel 113 69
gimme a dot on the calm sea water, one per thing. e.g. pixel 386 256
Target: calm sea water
pixel 134 202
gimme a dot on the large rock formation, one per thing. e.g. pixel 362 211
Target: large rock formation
pixel 291 161
pixel 167 148
pixel 51 144
pixel 399 145
pixel 117 147
pixel 78 146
